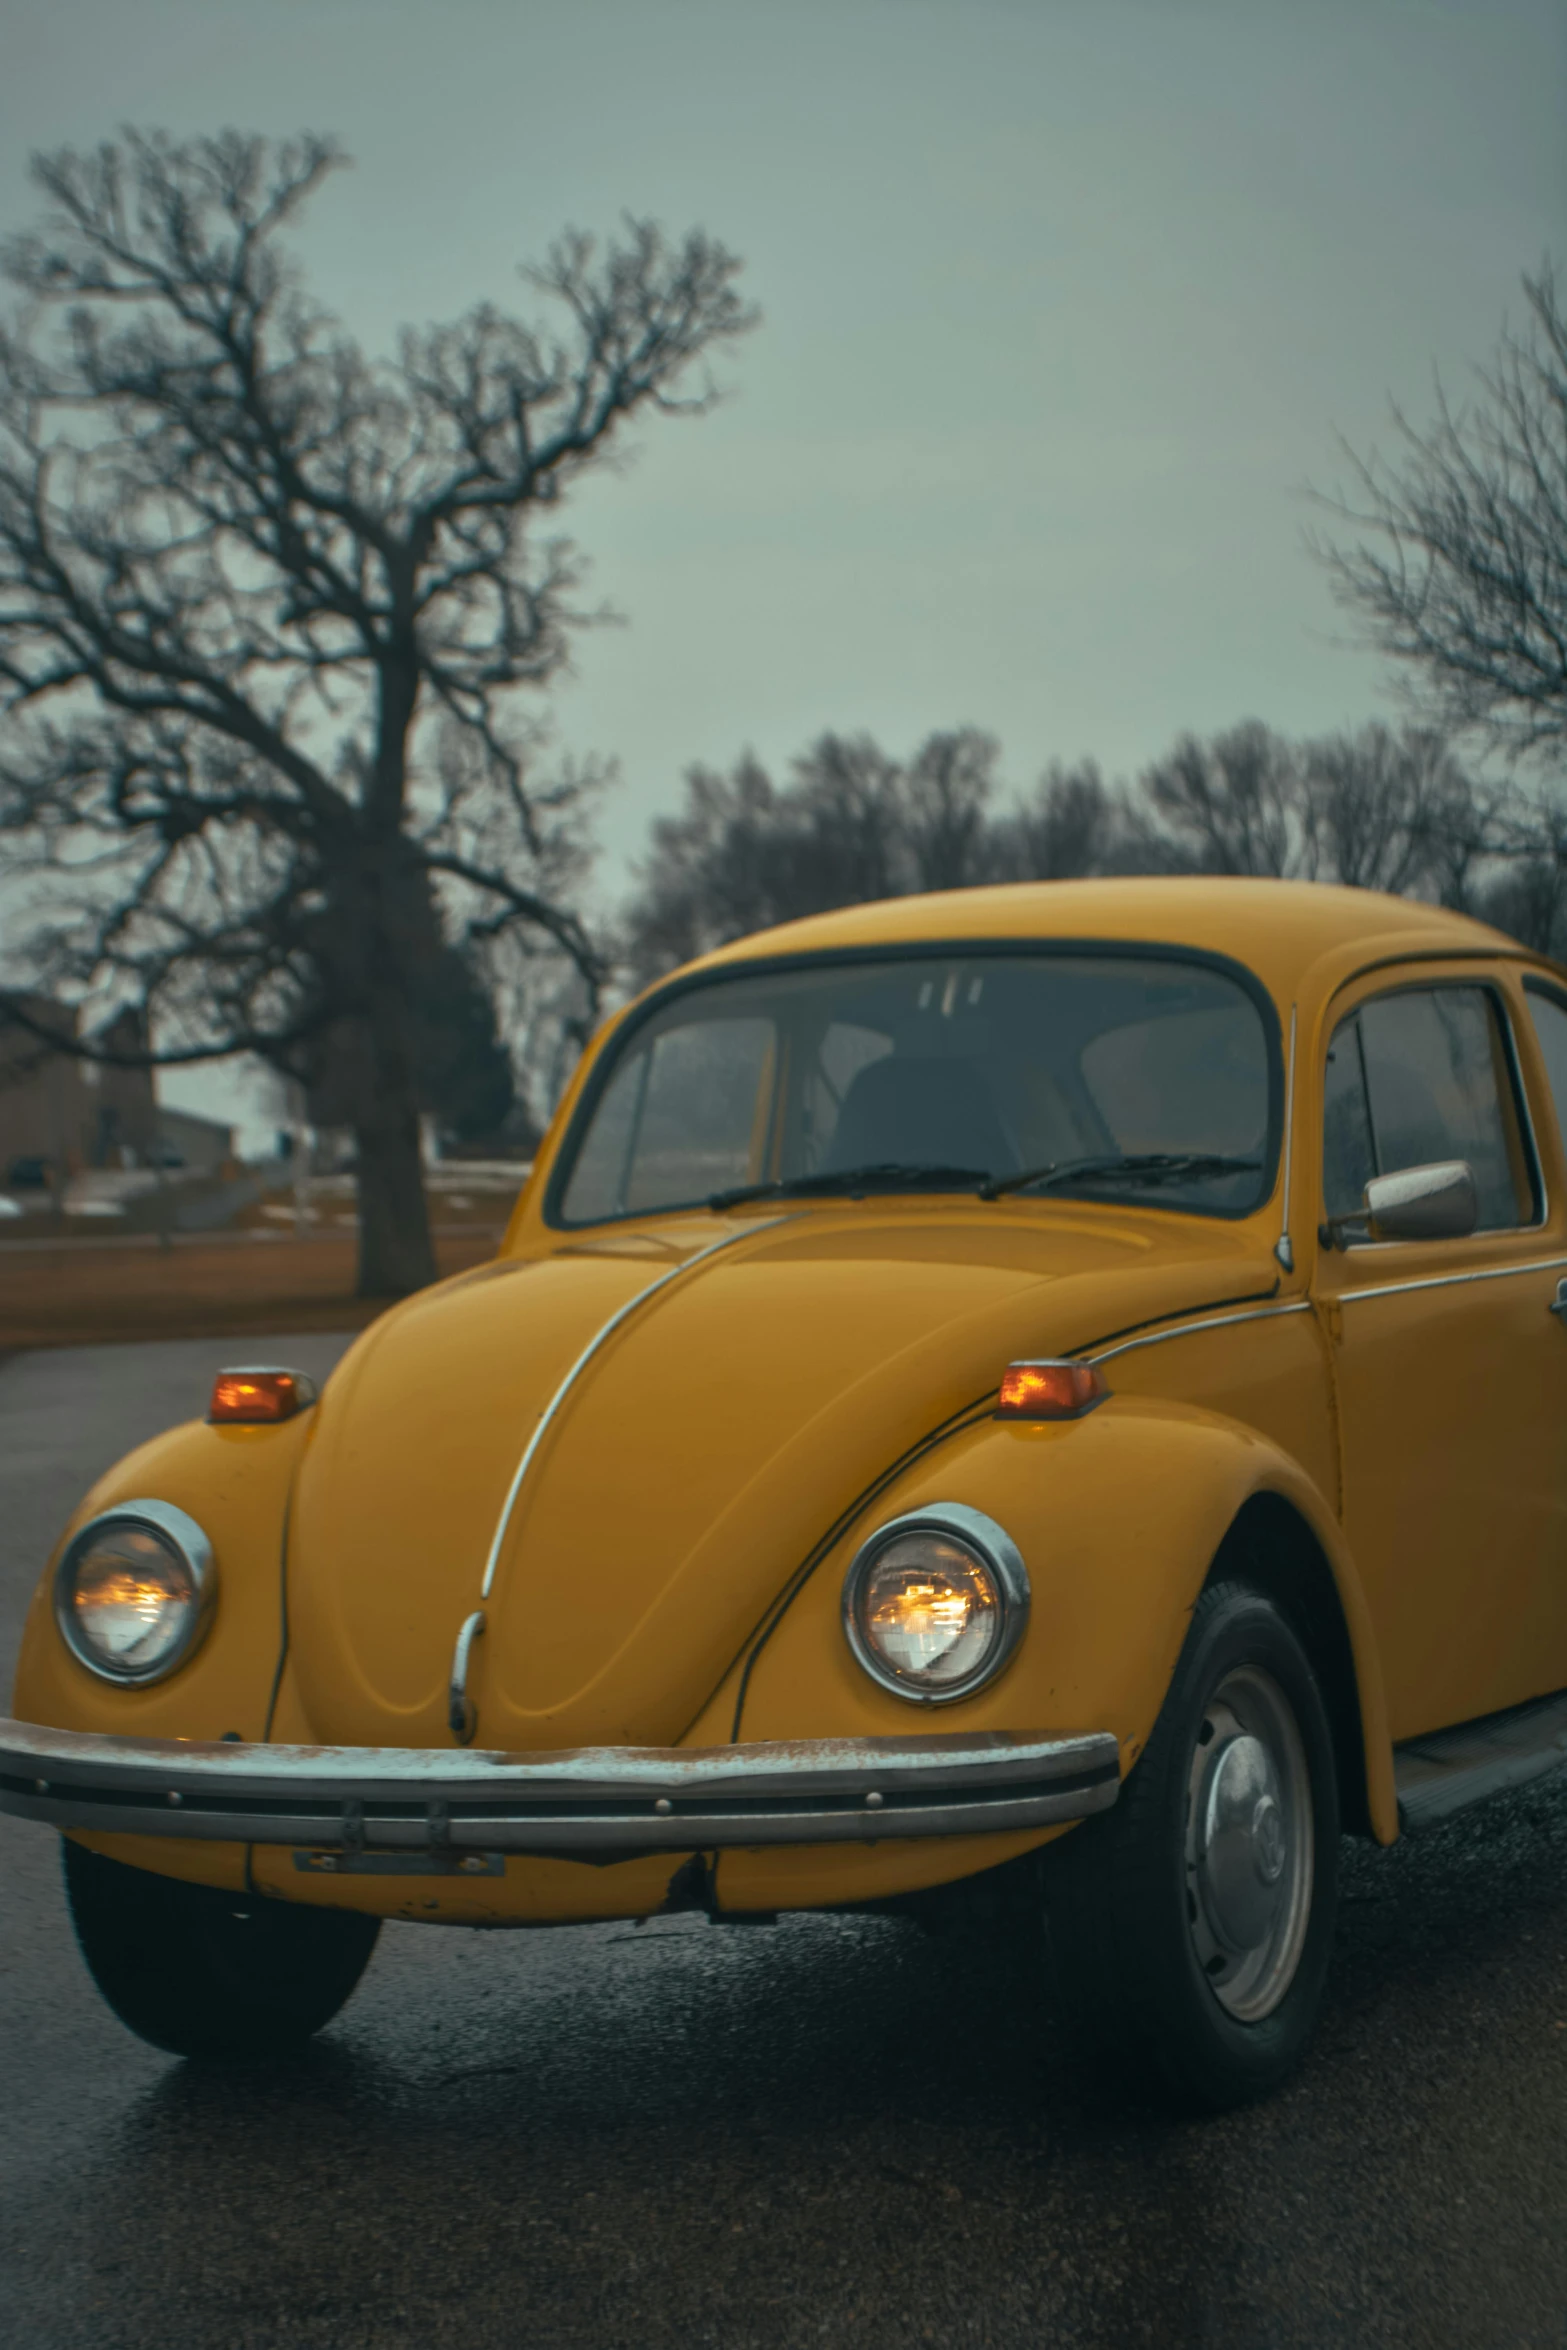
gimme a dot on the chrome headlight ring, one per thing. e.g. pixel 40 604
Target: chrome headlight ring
pixel 991 1549
pixel 176 1558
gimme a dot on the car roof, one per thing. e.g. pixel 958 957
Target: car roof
pixel 1277 929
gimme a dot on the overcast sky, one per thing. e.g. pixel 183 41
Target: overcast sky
pixel 1064 301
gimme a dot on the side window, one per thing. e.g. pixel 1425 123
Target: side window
pixel 1422 1075
pixel 1550 1026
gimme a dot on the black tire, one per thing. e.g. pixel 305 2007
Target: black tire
pixel 210 1974
pixel 1131 1910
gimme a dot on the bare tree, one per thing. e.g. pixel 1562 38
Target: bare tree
pixel 1460 571
pixel 1231 804
pixel 1396 811
pixel 852 824
pixel 947 793
pixel 712 872
pixel 1526 894
pixel 1376 809
pixel 840 835
pixel 267 607
pixel 1071 825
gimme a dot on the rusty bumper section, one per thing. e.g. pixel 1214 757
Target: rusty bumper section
pixel 593 1803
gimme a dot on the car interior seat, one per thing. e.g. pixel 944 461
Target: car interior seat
pixel 920 1111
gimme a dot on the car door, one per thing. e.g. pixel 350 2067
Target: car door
pixel 1450 1370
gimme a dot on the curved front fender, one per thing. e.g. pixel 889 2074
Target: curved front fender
pixel 1119 1517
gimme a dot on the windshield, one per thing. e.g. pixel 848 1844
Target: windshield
pixel 937 1073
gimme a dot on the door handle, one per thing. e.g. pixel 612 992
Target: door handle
pixel 1558 1304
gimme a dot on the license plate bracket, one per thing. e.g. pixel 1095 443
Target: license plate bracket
pixel 401 1864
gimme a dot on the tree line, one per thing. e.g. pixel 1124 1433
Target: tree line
pixel 276 613
pixel 1378 808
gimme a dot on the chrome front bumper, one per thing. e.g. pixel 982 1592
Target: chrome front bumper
pixel 599 1803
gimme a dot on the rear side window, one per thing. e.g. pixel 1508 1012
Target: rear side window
pixel 1550 1026
pixel 1422 1075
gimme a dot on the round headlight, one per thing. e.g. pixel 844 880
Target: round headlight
pixel 936 1602
pixel 133 1591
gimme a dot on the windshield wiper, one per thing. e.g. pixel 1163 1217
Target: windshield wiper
pixel 878 1175
pixel 1134 1167
pixel 901 1175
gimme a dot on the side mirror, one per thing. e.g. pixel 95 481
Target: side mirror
pixel 1424 1203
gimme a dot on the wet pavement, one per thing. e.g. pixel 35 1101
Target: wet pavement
pixel 826 2131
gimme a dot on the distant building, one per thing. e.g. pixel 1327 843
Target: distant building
pixel 44 1104
pixel 199 1145
pixel 124 1118
pixel 60 1114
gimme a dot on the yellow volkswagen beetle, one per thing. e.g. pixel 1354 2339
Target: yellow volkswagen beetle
pixel 1075 1367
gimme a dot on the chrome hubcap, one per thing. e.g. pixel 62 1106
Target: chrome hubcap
pixel 1249 1857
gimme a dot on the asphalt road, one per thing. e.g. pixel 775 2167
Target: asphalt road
pixel 844 2132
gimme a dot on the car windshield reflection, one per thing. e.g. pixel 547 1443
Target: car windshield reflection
pixel 981 1073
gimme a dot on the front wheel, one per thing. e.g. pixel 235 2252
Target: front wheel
pixel 1193 1923
pixel 206 1973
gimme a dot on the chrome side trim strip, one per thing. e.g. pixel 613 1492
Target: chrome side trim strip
pixel 1188 1329
pixel 1451 1280
pixel 600 1338
pixel 594 1803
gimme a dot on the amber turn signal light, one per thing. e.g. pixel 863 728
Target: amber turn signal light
pixel 1049 1391
pixel 260 1396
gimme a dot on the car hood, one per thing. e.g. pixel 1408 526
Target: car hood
pixel 711 1441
